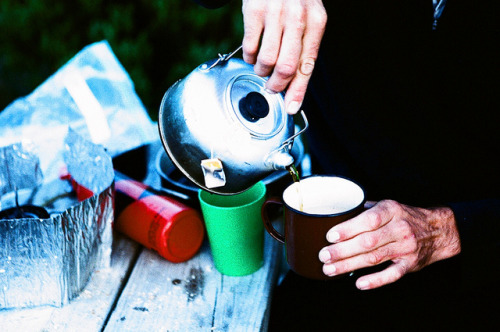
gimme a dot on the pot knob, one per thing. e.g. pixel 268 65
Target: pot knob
pixel 254 106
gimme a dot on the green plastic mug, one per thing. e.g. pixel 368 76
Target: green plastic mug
pixel 235 229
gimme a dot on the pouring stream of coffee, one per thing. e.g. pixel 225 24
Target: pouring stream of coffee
pixel 296 178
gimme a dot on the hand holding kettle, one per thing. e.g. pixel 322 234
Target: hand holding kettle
pixel 282 39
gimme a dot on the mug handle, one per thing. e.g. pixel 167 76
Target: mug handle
pixel 267 223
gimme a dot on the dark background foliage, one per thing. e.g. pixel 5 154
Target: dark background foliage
pixel 157 41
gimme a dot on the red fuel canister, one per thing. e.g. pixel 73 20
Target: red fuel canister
pixel 158 222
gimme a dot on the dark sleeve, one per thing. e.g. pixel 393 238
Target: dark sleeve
pixel 211 4
pixel 478 223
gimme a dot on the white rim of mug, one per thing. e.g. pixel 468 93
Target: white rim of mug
pixel 361 204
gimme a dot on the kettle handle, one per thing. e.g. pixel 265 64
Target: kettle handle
pixel 306 125
pixel 222 57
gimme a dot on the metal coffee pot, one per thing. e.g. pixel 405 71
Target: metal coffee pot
pixel 223 129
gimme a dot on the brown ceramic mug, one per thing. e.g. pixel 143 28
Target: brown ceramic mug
pixel 311 207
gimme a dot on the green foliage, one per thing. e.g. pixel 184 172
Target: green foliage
pixel 157 41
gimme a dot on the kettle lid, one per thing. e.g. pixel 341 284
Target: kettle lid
pixel 258 110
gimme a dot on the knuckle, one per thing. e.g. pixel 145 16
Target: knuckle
pixel 335 253
pixel 271 9
pixel 374 219
pixel 389 203
pixel 254 8
pixel 375 257
pixel 380 281
pixel 318 17
pixel 405 229
pixel 368 241
pixel 402 269
pixel 393 206
pixel 412 244
pixel 274 6
pixel 341 267
pixel 267 60
pixel 249 48
pixel 296 12
pixel 285 70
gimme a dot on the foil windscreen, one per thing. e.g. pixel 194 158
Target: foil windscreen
pixel 49 261
pixel 88 109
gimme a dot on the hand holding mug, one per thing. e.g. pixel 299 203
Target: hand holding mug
pixel 410 237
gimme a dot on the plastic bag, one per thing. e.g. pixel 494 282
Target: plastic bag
pixel 92 94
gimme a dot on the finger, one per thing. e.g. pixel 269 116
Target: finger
pixel 313 34
pixel 295 93
pixel 367 249
pixel 291 47
pixel 389 275
pixel 271 40
pixel 253 23
pixel 369 220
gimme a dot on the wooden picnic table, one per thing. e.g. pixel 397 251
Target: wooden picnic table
pixel 141 291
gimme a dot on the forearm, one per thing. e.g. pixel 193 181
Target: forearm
pixel 466 227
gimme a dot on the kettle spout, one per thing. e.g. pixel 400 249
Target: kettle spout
pixel 280 159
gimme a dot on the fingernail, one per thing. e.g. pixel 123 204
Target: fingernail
pixel 324 255
pixel 272 92
pixel 363 284
pixel 332 236
pixel 293 107
pixel 329 269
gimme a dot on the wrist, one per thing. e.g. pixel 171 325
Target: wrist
pixel 448 238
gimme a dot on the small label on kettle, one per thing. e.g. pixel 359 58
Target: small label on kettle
pixel 213 173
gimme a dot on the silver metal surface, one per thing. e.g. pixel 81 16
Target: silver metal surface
pixel 200 118
pixel 49 261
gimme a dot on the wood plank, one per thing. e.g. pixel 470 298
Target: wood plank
pixel 87 312
pixel 194 296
